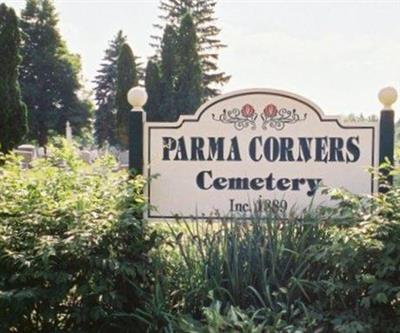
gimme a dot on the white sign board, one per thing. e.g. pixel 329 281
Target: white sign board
pixel 252 150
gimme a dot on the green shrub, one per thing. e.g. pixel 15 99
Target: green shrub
pixel 235 255
pixel 73 255
pixel 363 264
pixel 216 320
pixel 336 270
pixel 262 269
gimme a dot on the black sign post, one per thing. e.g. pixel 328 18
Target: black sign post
pixel 387 96
pixel 136 142
pixel 137 97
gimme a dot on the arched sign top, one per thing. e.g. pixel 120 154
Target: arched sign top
pixel 265 92
pixel 255 149
pixel 258 91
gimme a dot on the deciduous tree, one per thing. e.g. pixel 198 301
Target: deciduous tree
pixel 50 75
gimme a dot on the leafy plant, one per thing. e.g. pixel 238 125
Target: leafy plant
pixel 364 264
pixel 73 255
pixel 336 270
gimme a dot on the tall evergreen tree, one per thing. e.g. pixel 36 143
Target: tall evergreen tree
pixel 153 88
pixel 127 77
pixel 189 89
pixel 209 44
pixel 49 75
pixel 105 93
pixel 13 119
pixel 169 64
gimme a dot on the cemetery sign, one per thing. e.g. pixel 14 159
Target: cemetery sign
pixel 255 150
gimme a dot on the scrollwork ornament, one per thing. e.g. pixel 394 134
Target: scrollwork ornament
pixel 239 118
pixel 282 118
pixel 271 117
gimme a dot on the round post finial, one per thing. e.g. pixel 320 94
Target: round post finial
pixel 388 96
pixel 137 97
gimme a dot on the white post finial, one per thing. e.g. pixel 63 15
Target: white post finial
pixel 137 97
pixel 388 96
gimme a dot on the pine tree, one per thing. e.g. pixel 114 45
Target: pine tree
pixel 153 88
pixel 127 77
pixel 105 93
pixel 189 90
pixel 13 119
pixel 168 66
pixel 209 44
pixel 49 75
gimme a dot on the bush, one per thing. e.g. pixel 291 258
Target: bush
pixel 363 262
pixel 336 270
pixel 73 252
pixel 231 320
pixel 75 256
pixel 264 270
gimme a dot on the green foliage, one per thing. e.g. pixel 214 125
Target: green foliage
pixel 168 66
pixel 360 118
pixel 105 93
pixel 75 257
pixel 257 268
pixel 13 114
pixel 364 257
pixel 49 75
pixel 189 89
pixel 73 254
pixel 233 320
pixel 127 78
pixel 203 13
pixel 153 88
pixel 336 270
pixel 175 86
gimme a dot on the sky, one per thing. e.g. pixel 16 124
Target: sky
pixel 338 54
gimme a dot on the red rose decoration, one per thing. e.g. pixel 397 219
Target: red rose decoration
pixel 248 111
pixel 270 111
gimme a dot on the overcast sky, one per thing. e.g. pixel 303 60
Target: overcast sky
pixel 336 53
